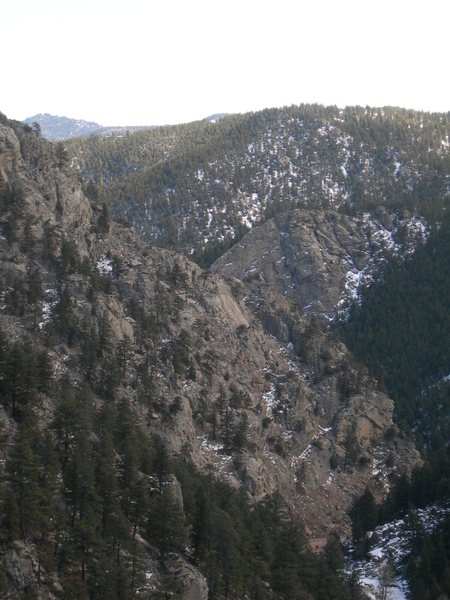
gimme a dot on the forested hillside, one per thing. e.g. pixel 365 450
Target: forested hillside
pixel 400 329
pixel 197 187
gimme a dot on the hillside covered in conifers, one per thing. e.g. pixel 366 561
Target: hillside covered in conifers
pixel 400 329
pixel 198 187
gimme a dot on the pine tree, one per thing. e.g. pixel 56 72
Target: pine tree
pixel 9 519
pixel 333 554
pixel 20 381
pixel 69 423
pixel 166 524
pixel 64 316
pixel 203 524
pixel 104 220
pixel 161 463
pixel 23 476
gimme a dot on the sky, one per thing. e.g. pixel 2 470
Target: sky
pixel 154 62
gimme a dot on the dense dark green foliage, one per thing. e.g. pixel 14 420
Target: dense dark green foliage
pixel 82 491
pixel 428 567
pixel 363 514
pixel 254 549
pixel 427 484
pixel 401 331
pixel 24 374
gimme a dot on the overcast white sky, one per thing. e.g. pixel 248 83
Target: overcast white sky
pixel 144 62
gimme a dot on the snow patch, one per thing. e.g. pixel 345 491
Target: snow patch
pixel 379 239
pixel 50 299
pixel 383 571
pixel 104 265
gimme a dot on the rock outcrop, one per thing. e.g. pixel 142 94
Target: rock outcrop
pixel 318 258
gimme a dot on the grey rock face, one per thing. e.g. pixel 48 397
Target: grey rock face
pixel 317 258
pixel 193 583
pixel 22 568
pixel 53 195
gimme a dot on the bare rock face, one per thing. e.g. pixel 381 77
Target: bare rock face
pixel 317 258
pixel 191 580
pixel 55 203
pixel 301 402
pixel 10 152
pixel 24 571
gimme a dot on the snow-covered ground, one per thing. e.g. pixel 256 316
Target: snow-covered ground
pixel 382 241
pixel 104 265
pixel 50 299
pixel 383 571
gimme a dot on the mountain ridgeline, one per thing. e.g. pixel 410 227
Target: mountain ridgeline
pixel 198 187
pixel 57 129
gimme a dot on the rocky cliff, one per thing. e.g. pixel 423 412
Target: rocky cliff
pixel 320 258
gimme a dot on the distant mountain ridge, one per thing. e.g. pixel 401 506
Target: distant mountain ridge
pixel 55 128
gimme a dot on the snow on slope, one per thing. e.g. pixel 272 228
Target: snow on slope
pixel 384 569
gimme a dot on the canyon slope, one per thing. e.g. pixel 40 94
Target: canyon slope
pixel 228 374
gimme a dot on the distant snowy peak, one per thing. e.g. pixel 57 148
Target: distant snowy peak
pixel 57 128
